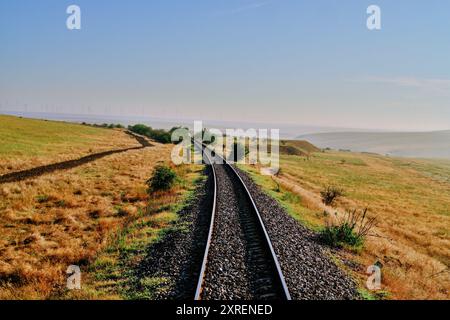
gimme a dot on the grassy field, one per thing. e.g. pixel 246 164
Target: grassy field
pixel 27 143
pixel 409 197
pixel 79 216
pixel 112 273
pixel 67 217
pixel 99 216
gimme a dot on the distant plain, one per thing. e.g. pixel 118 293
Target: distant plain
pixel 400 144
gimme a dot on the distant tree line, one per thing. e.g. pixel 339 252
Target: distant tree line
pixel 159 135
pixel 105 125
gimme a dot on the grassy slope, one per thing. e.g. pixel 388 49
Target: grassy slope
pixel 297 147
pixel 66 217
pixel 411 199
pixel 25 143
pixel 375 181
pixel 302 145
pixel 73 216
pixel 112 273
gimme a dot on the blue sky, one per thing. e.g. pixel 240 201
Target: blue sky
pixel 282 61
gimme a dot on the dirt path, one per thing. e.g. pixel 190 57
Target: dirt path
pixel 38 171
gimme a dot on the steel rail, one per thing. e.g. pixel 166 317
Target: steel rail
pixel 266 236
pixel 198 291
pixel 268 242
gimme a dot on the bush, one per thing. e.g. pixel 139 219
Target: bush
pixel 163 179
pixel 351 230
pixel 140 129
pixel 161 136
pixel 105 125
pixel 330 194
pixel 158 135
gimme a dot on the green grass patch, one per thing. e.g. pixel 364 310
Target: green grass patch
pixel 112 275
pixel 341 235
pixel 373 295
pixel 415 184
pixel 149 288
pixel 30 137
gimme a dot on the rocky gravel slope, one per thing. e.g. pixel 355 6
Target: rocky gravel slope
pixel 309 272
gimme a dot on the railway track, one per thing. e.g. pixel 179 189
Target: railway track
pixel 239 261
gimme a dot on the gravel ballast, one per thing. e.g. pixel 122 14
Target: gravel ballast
pixel 309 273
pixel 239 265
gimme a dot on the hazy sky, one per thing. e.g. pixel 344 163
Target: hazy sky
pixel 285 61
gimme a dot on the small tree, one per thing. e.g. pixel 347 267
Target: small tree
pixel 141 129
pixel 159 135
pixel 163 179
pixel 330 194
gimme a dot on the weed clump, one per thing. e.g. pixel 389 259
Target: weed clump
pixel 330 194
pixel 348 231
pixel 163 179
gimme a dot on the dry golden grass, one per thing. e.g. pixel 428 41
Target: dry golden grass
pixel 28 143
pixel 112 274
pixel 411 199
pixel 64 218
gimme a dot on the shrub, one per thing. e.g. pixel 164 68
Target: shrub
pixel 140 129
pixel 161 136
pixel 163 179
pixel 350 230
pixel 330 194
pixel 158 135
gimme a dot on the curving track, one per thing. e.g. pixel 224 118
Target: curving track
pixel 239 261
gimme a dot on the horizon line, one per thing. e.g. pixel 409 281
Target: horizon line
pixel 187 120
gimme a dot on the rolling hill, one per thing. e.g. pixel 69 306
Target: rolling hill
pixel 404 144
pixel 27 143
